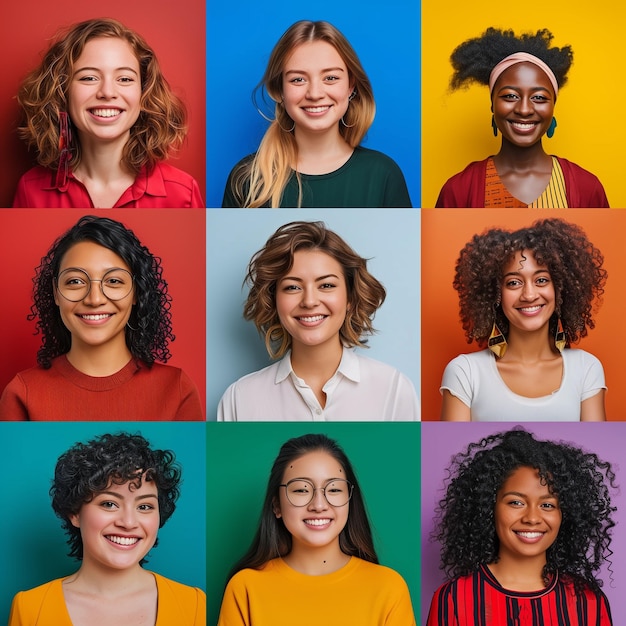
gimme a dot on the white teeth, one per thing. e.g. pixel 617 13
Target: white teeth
pixel 316 109
pixel 105 112
pixel 530 309
pixel 316 522
pixel 521 126
pixel 95 318
pixel 123 541
pixel 312 318
pixel 529 535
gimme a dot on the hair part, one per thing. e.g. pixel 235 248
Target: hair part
pixel 474 59
pixel 273 540
pixel 149 328
pixel 268 266
pixel 580 480
pixel 44 93
pixel 574 264
pixel 261 180
pixel 87 469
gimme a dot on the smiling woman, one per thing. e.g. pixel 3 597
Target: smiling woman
pixel 103 120
pixel 524 75
pixel 102 306
pixel 112 494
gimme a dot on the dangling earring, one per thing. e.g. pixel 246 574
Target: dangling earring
pixel 350 98
pixel 559 336
pixel 494 126
pixel 65 154
pixel 497 341
pixel 550 131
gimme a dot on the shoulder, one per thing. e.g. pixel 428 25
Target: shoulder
pixel 175 176
pixel 574 355
pixel 49 593
pixel 472 360
pixel 572 169
pixel 37 176
pixel 178 589
pixel 466 188
pixel 180 600
pixel 383 575
pixel 584 189
pixel 367 155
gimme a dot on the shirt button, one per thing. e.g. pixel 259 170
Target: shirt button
pixel 318 411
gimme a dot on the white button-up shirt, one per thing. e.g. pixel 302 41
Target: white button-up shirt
pixel 361 389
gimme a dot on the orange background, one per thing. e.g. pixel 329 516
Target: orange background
pixel 445 232
pixel 177 236
pixel 176 34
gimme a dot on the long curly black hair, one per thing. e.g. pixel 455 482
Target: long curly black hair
pixel 575 267
pixel 149 328
pixel 89 468
pixel 474 59
pixel 580 480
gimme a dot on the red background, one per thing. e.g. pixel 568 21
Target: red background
pixel 177 236
pixel 446 231
pixel 176 35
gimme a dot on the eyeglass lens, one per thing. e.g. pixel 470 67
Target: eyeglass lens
pixel 301 492
pixel 75 284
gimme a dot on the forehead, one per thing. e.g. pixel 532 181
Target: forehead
pixel 317 466
pixel 524 75
pixel 525 480
pixel 92 256
pixel 105 51
pixel 314 56
pixel 315 261
pixel 523 260
pixel 148 487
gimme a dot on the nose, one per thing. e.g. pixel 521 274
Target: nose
pixel 524 106
pixel 531 516
pixel 529 291
pixel 309 298
pixel 95 297
pixel 319 502
pixel 127 517
pixel 314 91
pixel 106 89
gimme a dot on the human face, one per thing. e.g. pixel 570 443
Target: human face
pixel 119 526
pixel 105 90
pixel 527 516
pixel 312 299
pixel 523 104
pixel 528 297
pixel 318 524
pixel 95 320
pixel 316 87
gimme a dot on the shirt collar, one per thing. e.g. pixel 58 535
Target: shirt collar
pixel 349 366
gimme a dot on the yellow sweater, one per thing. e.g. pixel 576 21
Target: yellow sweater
pixel 359 594
pixel 179 605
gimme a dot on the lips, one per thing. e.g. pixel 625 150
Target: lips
pixel 122 541
pixel 95 317
pixel 318 522
pixel 317 109
pixel 530 309
pixel 105 112
pixel 310 319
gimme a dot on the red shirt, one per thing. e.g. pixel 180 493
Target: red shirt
pixel 165 187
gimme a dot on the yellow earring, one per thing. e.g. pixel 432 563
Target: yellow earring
pixel 559 336
pixel 497 341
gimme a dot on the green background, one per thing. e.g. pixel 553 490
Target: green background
pixel 34 549
pixel 385 458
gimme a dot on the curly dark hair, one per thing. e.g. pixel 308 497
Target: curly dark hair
pixel 474 59
pixel 575 267
pixel 89 468
pixel 149 328
pixel 580 480
pixel 365 293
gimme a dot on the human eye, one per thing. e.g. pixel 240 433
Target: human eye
pixel 108 505
pixel 297 80
pixel 543 280
pixel 126 79
pixel 509 96
pixel 287 287
pixel 539 98
pixel 331 78
pixel 549 506
pixel 515 502
pixel 327 286
pixel 513 283
pixel 146 508
pixel 87 78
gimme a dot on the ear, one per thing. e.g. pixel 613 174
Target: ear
pixel 276 509
pixel 74 519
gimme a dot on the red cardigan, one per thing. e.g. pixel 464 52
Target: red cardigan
pixel 165 187
pixel 467 188
pixel 135 393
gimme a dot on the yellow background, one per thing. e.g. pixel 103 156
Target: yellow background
pixel 456 126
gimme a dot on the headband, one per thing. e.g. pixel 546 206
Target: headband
pixel 521 57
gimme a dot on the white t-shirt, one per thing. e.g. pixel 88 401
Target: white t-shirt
pixel 474 379
pixel 361 389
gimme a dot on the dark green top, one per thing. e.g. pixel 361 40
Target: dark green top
pixel 367 179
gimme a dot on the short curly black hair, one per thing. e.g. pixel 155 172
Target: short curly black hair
pixel 580 480
pixel 575 267
pixel 149 328
pixel 474 59
pixel 89 468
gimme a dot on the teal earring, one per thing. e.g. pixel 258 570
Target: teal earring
pixel 495 128
pixel 550 131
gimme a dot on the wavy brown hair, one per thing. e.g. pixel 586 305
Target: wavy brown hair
pixel 261 181
pixel 365 293
pixel 575 267
pixel 162 123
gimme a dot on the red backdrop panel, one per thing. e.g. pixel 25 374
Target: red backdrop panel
pixel 176 35
pixel 177 236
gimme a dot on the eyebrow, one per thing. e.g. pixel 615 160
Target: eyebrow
pixel 299 280
pixel 523 495
pixel 517 88
pixel 518 273
pixel 327 480
pixel 122 497
pixel 97 69
pixel 328 69
pixel 82 269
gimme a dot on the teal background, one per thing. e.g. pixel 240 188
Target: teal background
pixel 240 457
pixel 35 550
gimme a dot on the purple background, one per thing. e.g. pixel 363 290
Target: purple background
pixel 440 441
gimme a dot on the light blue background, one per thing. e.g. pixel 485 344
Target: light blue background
pixel 240 37
pixel 388 237
pixel 35 548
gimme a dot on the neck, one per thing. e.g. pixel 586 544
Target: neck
pixel 321 150
pixel 101 161
pixel 316 362
pixel 517 158
pixel 316 561
pixel 94 578
pixel 520 574
pixel 529 347
pixel 102 360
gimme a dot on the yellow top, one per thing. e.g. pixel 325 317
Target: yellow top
pixel 360 593
pixel 178 605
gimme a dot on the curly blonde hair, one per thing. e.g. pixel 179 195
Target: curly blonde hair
pixel 267 266
pixel 162 123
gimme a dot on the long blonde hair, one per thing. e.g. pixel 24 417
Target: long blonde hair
pixel 262 180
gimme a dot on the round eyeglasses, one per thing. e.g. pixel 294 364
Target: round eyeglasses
pixel 301 492
pixel 75 284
